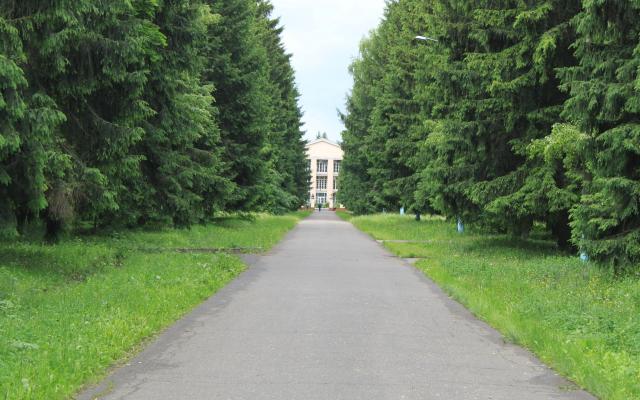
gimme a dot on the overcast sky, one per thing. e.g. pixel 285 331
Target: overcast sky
pixel 323 36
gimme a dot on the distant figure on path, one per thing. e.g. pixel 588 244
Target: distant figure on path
pixel 319 207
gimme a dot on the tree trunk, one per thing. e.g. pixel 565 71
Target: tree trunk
pixel 54 228
pixel 562 231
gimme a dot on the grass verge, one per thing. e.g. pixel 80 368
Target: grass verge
pixel 68 312
pixel 579 319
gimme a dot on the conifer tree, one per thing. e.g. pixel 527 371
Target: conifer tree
pixel 604 106
pixel 394 119
pixel 493 90
pixel 138 111
pixel 182 173
pixel 238 68
pixel 452 118
pixel 285 148
pixel 27 132
pixel 94 63
pixel 92 60
pixel 529 43
pixel 358 190
pixel 136 43
pixel 381 120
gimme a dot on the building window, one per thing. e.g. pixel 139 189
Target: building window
pixel 322 165
pixel 336 166
pixel 322 183
pixel 335 183
pixel 321 197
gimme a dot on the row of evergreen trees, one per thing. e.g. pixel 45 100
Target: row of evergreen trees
pixel 145 111
pixel 521 112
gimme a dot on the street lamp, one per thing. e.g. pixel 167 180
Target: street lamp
pixel 425 38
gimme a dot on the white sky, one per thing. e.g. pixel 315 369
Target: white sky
pixel 323 36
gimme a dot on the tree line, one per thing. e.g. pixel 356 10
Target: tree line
pixel 143 112
pixel 504 114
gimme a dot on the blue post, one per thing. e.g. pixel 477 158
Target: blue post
pixel 401 210
pixel 583 256
pixel 460 225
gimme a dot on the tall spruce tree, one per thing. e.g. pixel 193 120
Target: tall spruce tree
pixel 285 147
pixel 604 105
pixel 454 155
pixel 238 68
pixel 381 119
pixel 109 115
pixel 27 132
pixel 92 60
pixel 493 91
pixel 450 121
pixel 395 118
pixel 80 55
pixel 528 103
pixel 527 43
pixel 358 189
pixel 182 173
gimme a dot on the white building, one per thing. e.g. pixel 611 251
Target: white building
pixel 324 157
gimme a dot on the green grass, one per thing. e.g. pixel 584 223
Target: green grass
pixel 68 312
pixel 394 226
pixel 579 319
pixel 223 232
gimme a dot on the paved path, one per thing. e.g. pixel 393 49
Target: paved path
pixel 330 314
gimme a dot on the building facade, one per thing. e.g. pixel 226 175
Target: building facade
pixel 325 159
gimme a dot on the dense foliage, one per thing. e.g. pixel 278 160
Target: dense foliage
pixel 137 112
pixel 517 113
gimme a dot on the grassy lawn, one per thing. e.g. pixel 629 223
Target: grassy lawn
pixel 68 312
pixel 579 319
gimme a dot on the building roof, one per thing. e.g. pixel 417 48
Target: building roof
pixel 322 140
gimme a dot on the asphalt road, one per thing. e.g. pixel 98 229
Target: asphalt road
pixel 329 313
